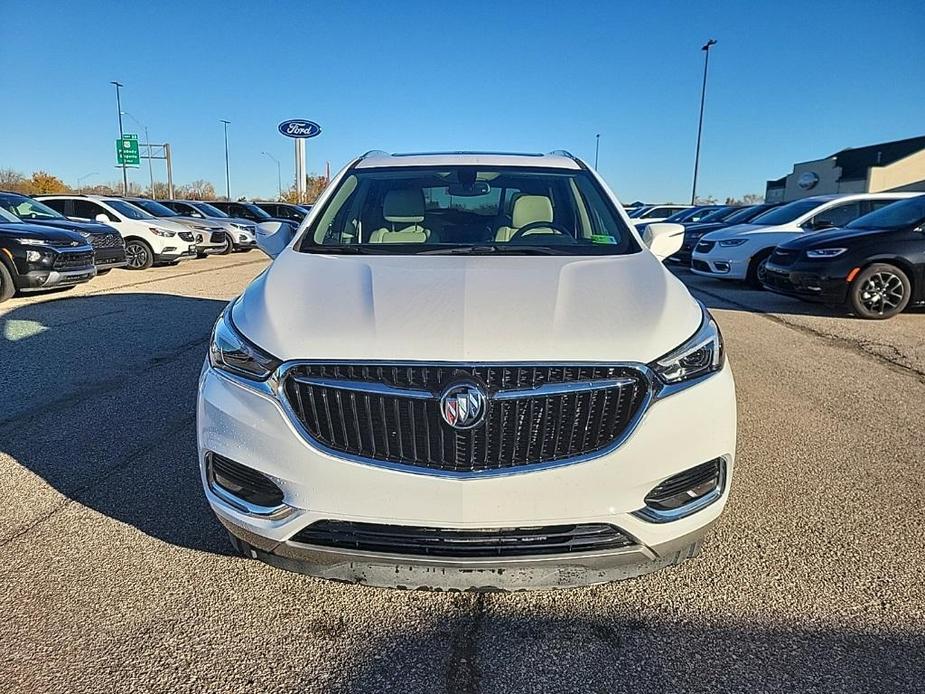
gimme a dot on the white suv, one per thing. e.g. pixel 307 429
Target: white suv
pixel 148 240
pixel 741 252
pixel 467 371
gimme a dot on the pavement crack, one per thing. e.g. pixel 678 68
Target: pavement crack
pixel 463 676
pixel 889 356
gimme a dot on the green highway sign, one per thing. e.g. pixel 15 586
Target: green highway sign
pixel 127 150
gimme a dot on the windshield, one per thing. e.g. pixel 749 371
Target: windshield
pixel 786 213
pixel 718 214
pixel 127 209
pixel 27 208
pixel 691 214
pixel 743 215
pixel 455 209
pixel 208 210
pixel 898 215
pixel 254 210
pixel 634 214
pixel 9 218
pixel 155 208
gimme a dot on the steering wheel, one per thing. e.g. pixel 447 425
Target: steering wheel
pixel 560 231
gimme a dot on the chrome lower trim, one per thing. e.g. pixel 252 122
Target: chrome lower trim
pixel 653 515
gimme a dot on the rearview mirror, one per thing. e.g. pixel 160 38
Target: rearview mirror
pixel 273 237
pixel 468 190
pixel 663 239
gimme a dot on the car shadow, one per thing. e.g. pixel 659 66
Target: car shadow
pixel 99 401
pixel 511 649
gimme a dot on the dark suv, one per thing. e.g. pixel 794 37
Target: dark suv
pixel 248 210
pixel 107 243
pixel 33 257
pixel 285 210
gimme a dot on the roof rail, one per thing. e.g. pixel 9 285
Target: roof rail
pixel 374 151
pixel 562 153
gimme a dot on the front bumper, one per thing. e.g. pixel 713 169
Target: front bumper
pixel 174 254
pixel 676 433
pixel 714 265
pixel 49 279
pixel 806 283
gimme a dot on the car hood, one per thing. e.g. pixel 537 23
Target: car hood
pixel 43 233
pixel 465 308
pixel 194 222
pixel 74 225
pixel 165 223
pixel 702 228
pixel 822 239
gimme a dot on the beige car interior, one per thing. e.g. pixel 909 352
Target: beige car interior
pixel 527 210
pixel 403 209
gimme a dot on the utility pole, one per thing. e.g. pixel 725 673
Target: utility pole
pixel 279 176
pixel 119 108
pixel 169 170
pixel 227 170
pixel 597 148
pixel 703 95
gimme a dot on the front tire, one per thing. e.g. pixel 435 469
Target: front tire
pixel 757 269
pixel 139 254
pixel 100 273
pixel 227 248
pixel 879 291
pixel 7 288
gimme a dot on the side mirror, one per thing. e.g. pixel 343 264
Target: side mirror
pixel 273 237
pixel 102 217
pixel 663 239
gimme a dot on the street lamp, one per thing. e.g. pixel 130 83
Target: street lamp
pixel 703 95
pixel 226 123
pixel 279 176
pixel 597 148
pixel 119 86
pixel 147 148
pixel 81 178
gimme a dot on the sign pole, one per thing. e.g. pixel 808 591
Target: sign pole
pixel 169 170
pixel 119 107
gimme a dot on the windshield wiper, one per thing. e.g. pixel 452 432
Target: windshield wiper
pixel 337 250
pixel 482 249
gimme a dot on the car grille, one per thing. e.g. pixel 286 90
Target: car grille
pixel 217 237
pixel 186 236
pixel 784 257
pixel 464 543
pixel 106 241
pixel 71 261
pixel 705 246
pixel 392 413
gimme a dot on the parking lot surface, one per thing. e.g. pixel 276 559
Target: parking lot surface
pixel 116 577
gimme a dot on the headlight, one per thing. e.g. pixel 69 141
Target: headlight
pixel 161 232
pixel 702 354
pixel 85 234
pixel 729 243
pixel 32 242
pixel 825 252
pixel 33 256
pixel 230 351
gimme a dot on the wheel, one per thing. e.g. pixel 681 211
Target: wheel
pixel 879 291
pixel 100 273
pixel 227 248
pixel 7 288
pixel 139 255
pixel 248 249
pixel 757 269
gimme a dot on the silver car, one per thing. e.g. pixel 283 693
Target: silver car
pixel 211 237
pixel 243 232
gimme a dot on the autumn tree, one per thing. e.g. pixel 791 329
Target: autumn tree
pixel 197 190
pixel 13 181
pixel 314 186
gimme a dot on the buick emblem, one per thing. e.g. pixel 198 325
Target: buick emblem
pixel 463 405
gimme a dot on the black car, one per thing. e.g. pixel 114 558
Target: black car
pixel 247 210
pixel 874 266
pixel 33 257
pixel 285 210
pixel 107 243
pixel 693 232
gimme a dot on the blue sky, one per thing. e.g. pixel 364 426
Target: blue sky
pixel 788 82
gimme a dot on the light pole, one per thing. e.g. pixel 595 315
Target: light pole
pixel 597 148
pixel 703 96
pixel 279 176
pixel 226 123
pixel 81 178
pixel 147 149
pixel 119 86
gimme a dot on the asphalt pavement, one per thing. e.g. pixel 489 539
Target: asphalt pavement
pixel 116 577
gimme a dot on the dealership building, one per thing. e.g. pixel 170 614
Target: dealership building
pixel 895 166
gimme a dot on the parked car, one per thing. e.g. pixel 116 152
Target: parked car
pixel 209 236
pixel 108 246
pixel 285 210
pixel 692 215
pixel 874 266
pixel 694 232
pixel 249 211
pixel 148 240
pixel 740 252
pixel 393 403
pixel 35 257
pixel 655 213
pixel 243 232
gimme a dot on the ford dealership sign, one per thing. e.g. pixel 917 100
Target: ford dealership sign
pixel 299 129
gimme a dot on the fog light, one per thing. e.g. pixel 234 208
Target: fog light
pixel 685 493
pixel 721 267
pixel 244 488
pixel 33 256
